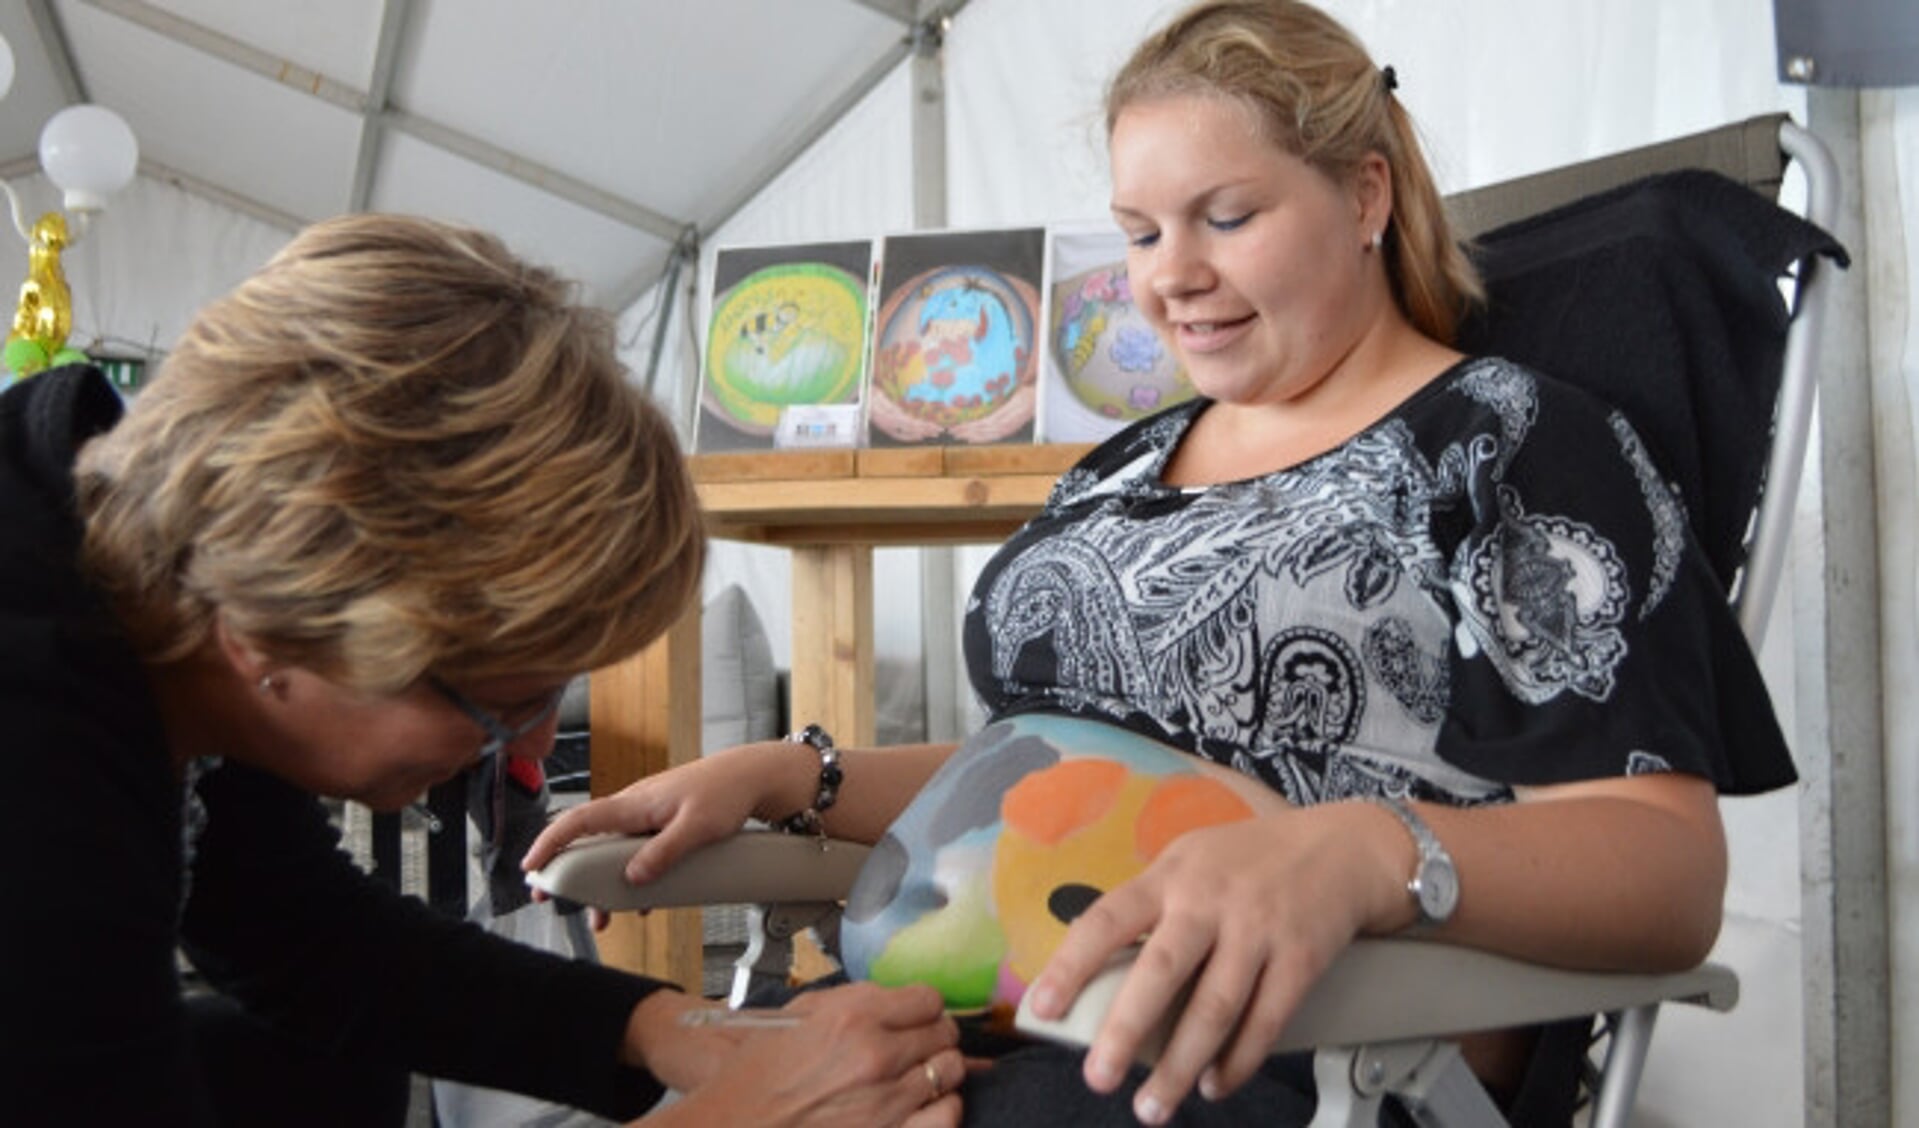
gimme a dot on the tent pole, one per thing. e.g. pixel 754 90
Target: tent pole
pixel 682 250
pixel 1839 694
pixel 394 18
pixel 53 33
pixel 929 125
pixel 939 634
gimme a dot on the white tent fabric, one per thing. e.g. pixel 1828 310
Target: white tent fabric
pixel 1501 88
pixel 591 135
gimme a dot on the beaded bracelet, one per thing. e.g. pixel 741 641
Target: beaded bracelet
pixel 808 821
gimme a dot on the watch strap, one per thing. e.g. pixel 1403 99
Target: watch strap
pixel 1430 850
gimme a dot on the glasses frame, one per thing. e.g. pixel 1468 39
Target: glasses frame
pixel 499 735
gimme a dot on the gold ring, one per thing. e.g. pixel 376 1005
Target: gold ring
pixel 933 1078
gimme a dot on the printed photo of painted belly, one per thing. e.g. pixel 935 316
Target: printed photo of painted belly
pixel 1023 828
pixel 954 345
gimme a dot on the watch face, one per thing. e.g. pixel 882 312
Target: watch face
pixel 1438 888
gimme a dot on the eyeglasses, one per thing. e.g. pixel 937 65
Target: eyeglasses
pixel 499 735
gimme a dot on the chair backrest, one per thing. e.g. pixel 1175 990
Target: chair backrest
pixel 1748 152
pixel 1734 437
pixel 1753 153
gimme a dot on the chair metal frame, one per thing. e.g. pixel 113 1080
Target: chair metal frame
pixel 1380 1018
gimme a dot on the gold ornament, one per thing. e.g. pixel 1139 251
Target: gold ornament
pixel 44 316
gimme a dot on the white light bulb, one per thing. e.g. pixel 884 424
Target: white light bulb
pixel 90 153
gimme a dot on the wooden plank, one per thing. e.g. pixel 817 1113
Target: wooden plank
pixel 665 944
pixel 1046 458
pixel 902 462
pixel 890 462
pixel 867 533
pixel 639 708
pixel 832 667
pixel 925 501
pixel 833 640
pixel 644 716
pixel 759 466
pixel 833 645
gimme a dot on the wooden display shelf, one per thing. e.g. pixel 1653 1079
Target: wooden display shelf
pixel 830 508
pixel 919 495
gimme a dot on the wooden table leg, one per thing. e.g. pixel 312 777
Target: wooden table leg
pixel 833 640
pixel 832 665
pixel 645 717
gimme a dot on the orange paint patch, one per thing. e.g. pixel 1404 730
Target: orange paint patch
pixel 1048 805
pixel 1181 804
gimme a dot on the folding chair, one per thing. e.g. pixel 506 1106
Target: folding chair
pixel 1380 1018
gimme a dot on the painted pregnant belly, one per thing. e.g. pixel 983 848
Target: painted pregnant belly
pixel 1025 825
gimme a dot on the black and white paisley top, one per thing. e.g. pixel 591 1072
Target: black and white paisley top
pixel 1491 586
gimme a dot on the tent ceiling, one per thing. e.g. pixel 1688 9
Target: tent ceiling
pixel 592 134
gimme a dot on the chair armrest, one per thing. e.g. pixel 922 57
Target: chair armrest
pixel 750 868
pixel 1378 990
pixel 1391 990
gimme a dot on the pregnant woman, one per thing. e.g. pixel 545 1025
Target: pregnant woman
pixel 1365 614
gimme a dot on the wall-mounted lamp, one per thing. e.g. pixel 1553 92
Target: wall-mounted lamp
pixel 89 153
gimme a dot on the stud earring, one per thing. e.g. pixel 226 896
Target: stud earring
pixel 1379 238
pixel 270 683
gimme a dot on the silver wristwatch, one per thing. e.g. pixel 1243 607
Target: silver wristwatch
pixel 1435 882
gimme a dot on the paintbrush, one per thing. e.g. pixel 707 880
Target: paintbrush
pixel 738 1019
pixel 996 1019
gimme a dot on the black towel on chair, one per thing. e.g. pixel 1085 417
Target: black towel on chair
pixel 1661 297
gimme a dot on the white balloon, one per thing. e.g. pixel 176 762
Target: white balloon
pixel 89 151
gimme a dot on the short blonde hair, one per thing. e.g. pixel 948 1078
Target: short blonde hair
pixel 395 450
pixel 1317 95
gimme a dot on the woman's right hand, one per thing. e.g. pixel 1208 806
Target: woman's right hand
pixel 683 808
pixel 861 1055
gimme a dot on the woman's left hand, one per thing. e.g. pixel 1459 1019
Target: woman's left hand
pixel 859 1054
pixel 1251 914
pixel 682 1057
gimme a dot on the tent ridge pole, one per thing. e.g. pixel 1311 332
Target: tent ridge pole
pixel 394 17
pixel 243 55
pixel 53 34
pixel 445 137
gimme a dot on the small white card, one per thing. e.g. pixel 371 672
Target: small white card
pixel 805 426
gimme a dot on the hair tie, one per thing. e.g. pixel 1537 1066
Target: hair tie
pixel 1390 78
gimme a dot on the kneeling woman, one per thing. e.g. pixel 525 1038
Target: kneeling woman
pixel 379 505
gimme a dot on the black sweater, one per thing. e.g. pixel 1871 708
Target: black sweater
pixel 92 1029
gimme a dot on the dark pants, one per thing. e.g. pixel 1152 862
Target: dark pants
pixel 1034 1085
pixel 1038 1085
pixel 256 1076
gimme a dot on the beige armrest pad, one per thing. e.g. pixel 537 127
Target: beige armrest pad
pixel 752 867
pixel 1378 990
pixel 1384 990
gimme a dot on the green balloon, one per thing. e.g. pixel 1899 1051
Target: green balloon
pixel 24 356
pixel 68 356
